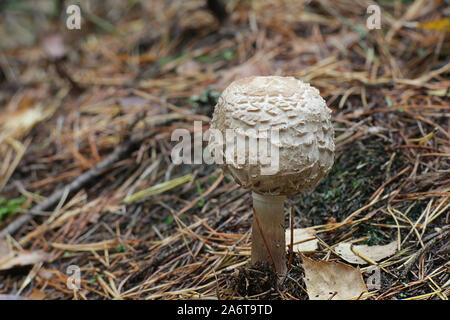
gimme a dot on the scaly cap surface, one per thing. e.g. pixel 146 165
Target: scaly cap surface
pixel 303 120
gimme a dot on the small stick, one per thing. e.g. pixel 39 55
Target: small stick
pixel 410 263
pixel 264 239
pixel 380 189
pixel 291 246
pixel 119 152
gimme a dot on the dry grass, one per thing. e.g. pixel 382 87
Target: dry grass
pixel 134 74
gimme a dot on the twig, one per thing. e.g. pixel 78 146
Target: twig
pixel 264 239
pixel 410 263
pixel 291 246
pixel 119 153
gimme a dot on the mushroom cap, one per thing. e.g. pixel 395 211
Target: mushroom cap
pixel 253 106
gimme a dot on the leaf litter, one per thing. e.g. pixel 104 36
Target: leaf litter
pixel 10 258
pixel 364 254
pixel 86 114
pixel 327 280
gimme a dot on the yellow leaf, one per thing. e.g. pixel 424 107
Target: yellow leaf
pixel 424 139
pixel 157 189
pixel 441 24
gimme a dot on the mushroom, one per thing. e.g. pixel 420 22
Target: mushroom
pixel 303 151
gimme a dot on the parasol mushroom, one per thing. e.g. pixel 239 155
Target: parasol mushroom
pixel 301 142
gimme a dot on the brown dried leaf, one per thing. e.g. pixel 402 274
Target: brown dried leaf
pixel 350 252
pixel 332 280
pixel 36 294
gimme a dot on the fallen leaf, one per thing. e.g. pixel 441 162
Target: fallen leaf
pixel 17 123
pixel 441 24
pixel 22 258
pixel 327 280
pixel 304 240
pixel 36 294
pixel 350 252
pixel 10 258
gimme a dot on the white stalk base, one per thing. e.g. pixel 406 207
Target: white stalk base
pixel 270 246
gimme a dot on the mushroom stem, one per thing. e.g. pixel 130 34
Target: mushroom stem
pixel 268 235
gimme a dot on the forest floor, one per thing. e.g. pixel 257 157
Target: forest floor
pixel 86 118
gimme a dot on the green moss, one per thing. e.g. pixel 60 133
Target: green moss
pixel 9 207
pixel 375 237
pixel 226 54
pixel 357 173
pixel 201 203
pixel 208 97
